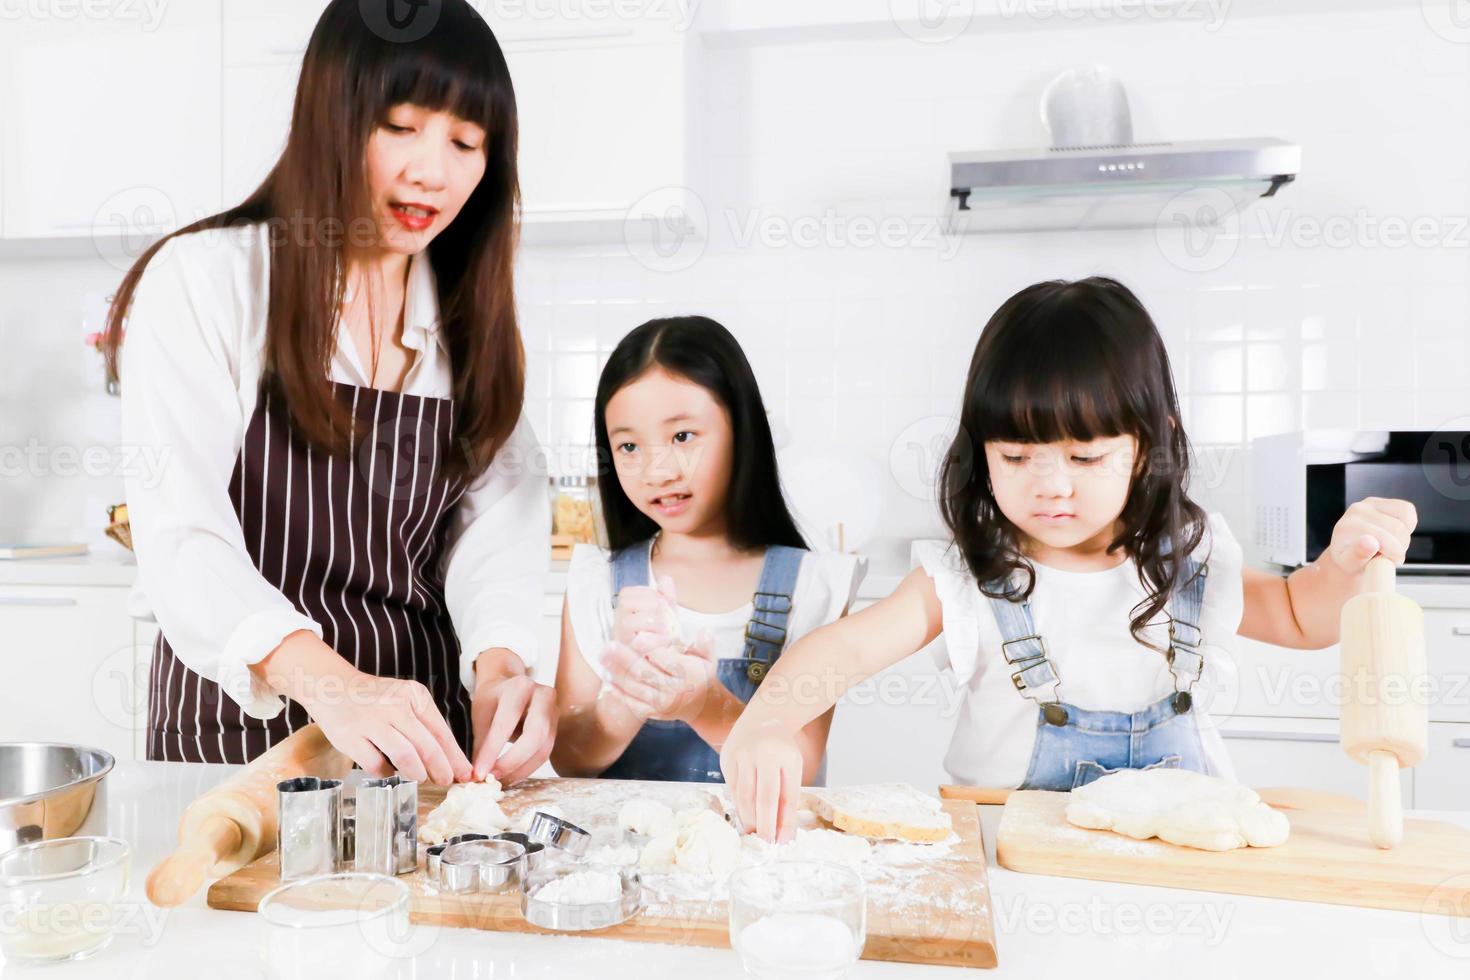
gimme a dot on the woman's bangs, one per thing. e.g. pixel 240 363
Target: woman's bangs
pixel 443 78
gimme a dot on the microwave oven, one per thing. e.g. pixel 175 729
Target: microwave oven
pixel 1304 481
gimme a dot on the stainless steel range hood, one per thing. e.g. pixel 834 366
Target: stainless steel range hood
pixel 1137 185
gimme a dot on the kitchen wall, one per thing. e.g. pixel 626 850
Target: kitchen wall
pixel 1345 301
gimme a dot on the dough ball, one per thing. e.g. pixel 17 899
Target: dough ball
pixel 707 845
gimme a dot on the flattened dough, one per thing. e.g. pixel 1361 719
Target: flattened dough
pixel 1178 806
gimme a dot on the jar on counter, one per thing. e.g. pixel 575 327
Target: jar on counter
pixel 573 518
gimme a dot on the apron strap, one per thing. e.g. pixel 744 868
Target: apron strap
pixel 1035 675
pixel 1037 678
pixel 765 634
pixel 631 566
pixel 1186 662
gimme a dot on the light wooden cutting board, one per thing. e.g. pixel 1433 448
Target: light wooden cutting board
pixel 941 914
pixel 1328 858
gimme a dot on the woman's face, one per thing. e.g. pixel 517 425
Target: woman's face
pixel 672 444
pixel 422 165
pixel 1062 494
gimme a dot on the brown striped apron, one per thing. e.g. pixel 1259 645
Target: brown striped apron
pixel 356 542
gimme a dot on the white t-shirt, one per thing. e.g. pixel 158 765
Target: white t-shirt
pixel 825 587
pixel 1083 617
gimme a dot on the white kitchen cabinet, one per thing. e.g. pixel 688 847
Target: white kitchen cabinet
pixel 1280 682
pixel 1298 752
pixel 606 138
pixel 112 126
pixel 69 670
pixel 144 636
pixel 1442 780
pixel 1447 643
pixel 606 141
pixel 264 41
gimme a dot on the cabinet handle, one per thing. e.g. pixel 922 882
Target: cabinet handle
pixel 1461 743
pixel 1281 736
pixel 18 600
pixel 1460 630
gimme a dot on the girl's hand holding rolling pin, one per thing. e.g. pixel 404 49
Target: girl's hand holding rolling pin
pixel 1372 526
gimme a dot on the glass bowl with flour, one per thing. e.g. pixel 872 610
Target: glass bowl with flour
pixel 60 898
pixel 798 920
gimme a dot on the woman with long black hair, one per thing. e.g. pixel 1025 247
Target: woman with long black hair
pixel 348 518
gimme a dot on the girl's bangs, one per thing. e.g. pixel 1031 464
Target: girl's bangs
pixel 1049 393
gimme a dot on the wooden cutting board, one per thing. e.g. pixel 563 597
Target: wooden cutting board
pixel 937 910
pixel 1328 858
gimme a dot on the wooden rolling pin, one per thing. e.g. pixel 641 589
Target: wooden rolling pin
pixel 235 823
pixel 1385 717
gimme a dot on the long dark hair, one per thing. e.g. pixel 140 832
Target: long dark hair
pixel 702 351
pixel 1074 360
pixel 358 65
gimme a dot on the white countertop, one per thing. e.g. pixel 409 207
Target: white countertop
pixel 1046 927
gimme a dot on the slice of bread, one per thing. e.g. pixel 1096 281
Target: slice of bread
pixel 891 811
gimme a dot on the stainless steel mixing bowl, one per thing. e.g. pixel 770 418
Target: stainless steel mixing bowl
pixel 50 790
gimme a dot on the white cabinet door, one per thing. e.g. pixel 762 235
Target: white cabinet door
pixel 1447 642
pixel 264 41
pixel 1442 780
pixel 144 635
pixel 1297 752
pixel 1277 682
pixel 601 126
pixel 68 667
pixel 111 129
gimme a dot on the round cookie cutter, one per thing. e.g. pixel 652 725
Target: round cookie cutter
pixel 535 850
pixel 560 834
pixel 564 917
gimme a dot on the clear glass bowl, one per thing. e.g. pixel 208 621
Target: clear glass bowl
pixel 59 898
pixel 348 925
pixel 798 920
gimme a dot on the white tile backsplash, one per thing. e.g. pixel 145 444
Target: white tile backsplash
pixel 1317 318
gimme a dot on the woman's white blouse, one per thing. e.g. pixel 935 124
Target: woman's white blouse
pixel 191 369
pixel 1083 616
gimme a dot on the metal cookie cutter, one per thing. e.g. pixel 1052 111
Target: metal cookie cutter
pixel 535 850
pixel 558 833
pixel 486 866
pixel 309 826
pixel 385 826
pixel 433 856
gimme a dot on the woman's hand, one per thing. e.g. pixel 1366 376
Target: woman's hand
pixel 655 680
pixel 383 724
pixel 514 719
pixel 1372 526
pixel 762 765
